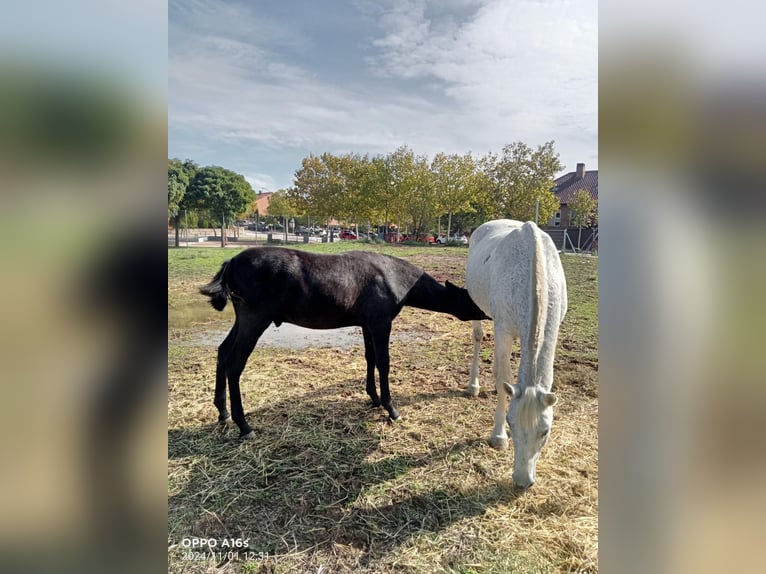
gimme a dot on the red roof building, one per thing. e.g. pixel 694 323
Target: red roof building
pixel 566 187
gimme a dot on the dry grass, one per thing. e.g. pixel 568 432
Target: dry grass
pixel 330 486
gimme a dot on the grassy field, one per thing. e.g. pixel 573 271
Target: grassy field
pixel 330 486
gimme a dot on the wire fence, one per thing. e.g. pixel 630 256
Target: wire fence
pixel 574 240
pixel 567 240
pixel 242 236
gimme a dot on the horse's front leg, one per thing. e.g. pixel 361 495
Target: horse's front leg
pixel 472 390
pixel 502 369
pixel 369 355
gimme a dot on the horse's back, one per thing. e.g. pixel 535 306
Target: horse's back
pixel 500 268
pixel 320 291
pixel 483 260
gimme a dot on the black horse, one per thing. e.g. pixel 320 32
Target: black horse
pixel 357 288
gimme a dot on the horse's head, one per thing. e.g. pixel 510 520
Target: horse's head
pixel 530 417
pixel 461 304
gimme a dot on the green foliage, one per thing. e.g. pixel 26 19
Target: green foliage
pixel 519 178
pixel 180 175
pixel 584 209
pixel 403 188
pixel 219 192
pixel 321 185
pixel 413 194
pixel 457 184
pixel 282 204
pixel 400 187
pixel 364 183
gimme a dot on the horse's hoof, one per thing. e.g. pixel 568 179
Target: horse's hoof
pixel 498 443
pixel 224 422
pixel 471 392
pixel 394 415
pixel 248 436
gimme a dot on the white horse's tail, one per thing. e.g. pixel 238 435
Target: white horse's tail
pixel 538 296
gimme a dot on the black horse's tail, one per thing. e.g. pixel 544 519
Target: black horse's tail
pixel 217 289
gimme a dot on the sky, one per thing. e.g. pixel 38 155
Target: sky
pixel 255 86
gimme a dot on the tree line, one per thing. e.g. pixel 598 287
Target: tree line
pixel 400 188
pixel 212 194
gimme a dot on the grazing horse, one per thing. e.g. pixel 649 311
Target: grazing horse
pixel 278 285
pixel 514 275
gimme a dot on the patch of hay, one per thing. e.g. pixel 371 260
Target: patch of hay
pixel 329 483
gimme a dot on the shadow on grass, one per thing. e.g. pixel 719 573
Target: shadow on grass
pixel 320 473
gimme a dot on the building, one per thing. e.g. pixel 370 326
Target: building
pixel 566 187
pixel 262 203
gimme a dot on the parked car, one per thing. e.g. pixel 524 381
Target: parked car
pixel 457 238
pixel 347 235
pixel 299 229
pixel 460 238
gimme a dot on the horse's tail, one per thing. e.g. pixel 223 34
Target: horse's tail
pixel 217 289
pixel 538 296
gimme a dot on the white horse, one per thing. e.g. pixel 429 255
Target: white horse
pixel 514 275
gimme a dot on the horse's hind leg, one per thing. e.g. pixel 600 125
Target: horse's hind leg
pixel 369 355
pixel 219 399
pixel 380 338
pixel 249 331
pixel 472 390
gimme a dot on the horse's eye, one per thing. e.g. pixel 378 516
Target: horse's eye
pixel 545 434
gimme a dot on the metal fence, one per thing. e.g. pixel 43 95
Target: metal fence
pixel 574 240
pixel 209 236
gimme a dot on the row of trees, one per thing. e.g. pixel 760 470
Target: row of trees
pixel 408 189
pixel 402 188
pixel 213 193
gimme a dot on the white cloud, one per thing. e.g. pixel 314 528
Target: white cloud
pixel 525 70
pixel 261 182
pixel 457 76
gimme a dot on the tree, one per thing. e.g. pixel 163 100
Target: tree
pixel 419 194
pixel 520 178
pixel 360 197
pixel 283 205
pixel 220 192
pixel 456 184
pixel 309 182
pixel 406 188
pixel 321 185
pixel 584 211
pixel 180 175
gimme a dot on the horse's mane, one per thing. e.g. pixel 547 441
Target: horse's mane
pixel 529 409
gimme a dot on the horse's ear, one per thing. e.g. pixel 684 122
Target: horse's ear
pixel 548 399
pixel 512 390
